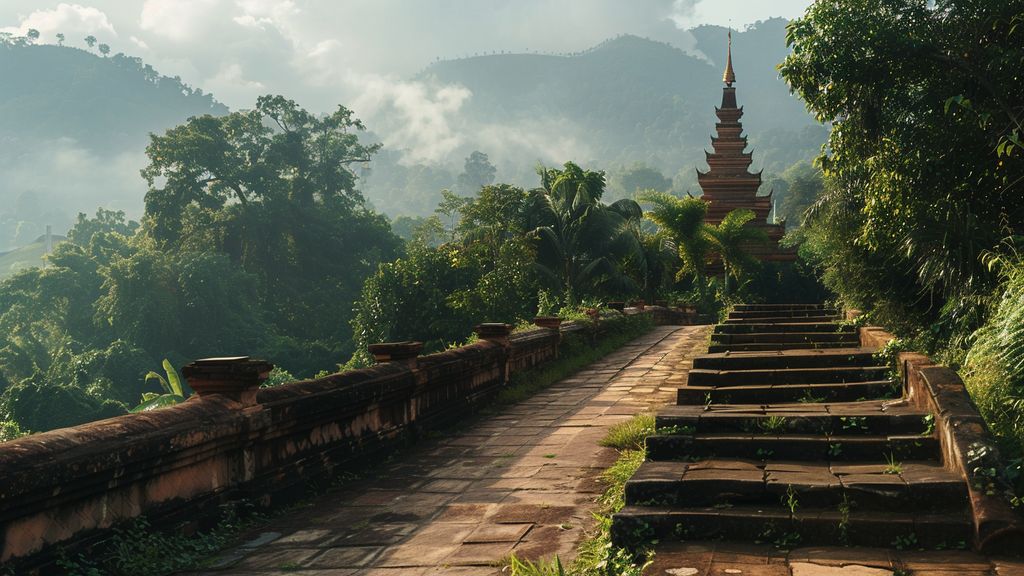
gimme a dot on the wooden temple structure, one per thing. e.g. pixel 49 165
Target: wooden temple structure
pixel 728 184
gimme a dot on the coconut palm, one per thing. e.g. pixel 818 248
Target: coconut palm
pixel 581 242
pixel 730 240
pixel 682 219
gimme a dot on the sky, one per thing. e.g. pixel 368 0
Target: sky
pixel 322 52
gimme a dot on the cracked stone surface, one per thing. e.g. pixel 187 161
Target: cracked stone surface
pixel 522 480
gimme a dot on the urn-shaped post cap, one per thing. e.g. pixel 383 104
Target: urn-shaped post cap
pixel 403 352
pixel 237 377
pixel 549 322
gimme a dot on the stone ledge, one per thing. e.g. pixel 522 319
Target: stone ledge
pixel 963 435
pixel 67 486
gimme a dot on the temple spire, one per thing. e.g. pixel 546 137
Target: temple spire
pixel 730 76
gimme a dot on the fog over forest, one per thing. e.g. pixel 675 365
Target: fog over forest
pixel 434 84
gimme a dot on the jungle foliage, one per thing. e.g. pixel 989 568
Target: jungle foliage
pixel 921 219
pixel 257 241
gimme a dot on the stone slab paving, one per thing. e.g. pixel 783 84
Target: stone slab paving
pixel 523 480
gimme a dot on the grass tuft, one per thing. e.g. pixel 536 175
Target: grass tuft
pixel 630 435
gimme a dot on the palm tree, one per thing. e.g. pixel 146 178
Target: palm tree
pixel 682 219
pixel 581 242
pixel 731 239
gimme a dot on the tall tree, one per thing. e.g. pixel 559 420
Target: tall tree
pixel 682 219
pixel 273 188
pixel 90 40
pixel 476 173
pixel 731 240
pixel 640 177
pixel 924 160
pixel 581 242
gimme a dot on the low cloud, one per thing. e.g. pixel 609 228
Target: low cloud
pixel 415 117
pixel 72 20
pixel 67 177
pixel 179 20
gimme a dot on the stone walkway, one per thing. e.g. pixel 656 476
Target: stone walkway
pixel 523 480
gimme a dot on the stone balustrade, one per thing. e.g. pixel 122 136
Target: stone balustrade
pixel 233 440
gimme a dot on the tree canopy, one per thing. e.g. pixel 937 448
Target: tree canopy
pixel 924 165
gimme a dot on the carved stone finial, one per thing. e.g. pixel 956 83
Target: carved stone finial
pixel 236 377
pixel 403 352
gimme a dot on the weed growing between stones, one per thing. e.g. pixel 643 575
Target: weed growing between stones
pixel 140 550
pixel 772 425
pixel 844 520
pixel 791 501
pixel 630 435
pixel 906 542
pixel 809 398
pixel 892 465
pixel 675 430
pixel 551 567
pixel 597 556
pixel 854 423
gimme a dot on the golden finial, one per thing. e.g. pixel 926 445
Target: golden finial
pixel 730 76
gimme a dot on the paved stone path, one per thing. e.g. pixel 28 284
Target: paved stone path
pixel 523 480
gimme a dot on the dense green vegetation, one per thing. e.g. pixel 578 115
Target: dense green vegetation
pixel 920 222
pixel 256 240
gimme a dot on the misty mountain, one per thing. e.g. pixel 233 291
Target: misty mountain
pixel 625 101
pixel 74 129
pixel 75 124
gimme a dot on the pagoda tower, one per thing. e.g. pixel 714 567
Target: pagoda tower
pixel 728 184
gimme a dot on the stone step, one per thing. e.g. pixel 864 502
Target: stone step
pixel 843 447
pixel 780 393
pixel 909 486
pixel 783 359
pixel 854 418
pixel 818 319
pixel 788 376
pixel 762 307
pixel 743 328
pixel 783 313
pixel 719 348
pixel 849 338
pixel 638 525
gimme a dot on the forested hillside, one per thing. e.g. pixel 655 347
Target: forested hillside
pixel 74 124
pixel 636 99
pixel 628 100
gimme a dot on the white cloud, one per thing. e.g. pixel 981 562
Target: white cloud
pixel 683 12
pixel 72 20
pixel 139 42
pixel 231 82
pixel 413 116
pixel 179 20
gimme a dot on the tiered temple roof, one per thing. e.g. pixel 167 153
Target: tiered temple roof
pixel 728 184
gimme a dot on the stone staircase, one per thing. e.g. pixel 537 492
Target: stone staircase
pixel 790 433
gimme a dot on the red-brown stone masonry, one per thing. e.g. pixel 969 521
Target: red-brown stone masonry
pixel 523 480
pixel 68 485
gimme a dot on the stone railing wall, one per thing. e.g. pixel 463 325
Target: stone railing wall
pixel 967 444
pixel 233 440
